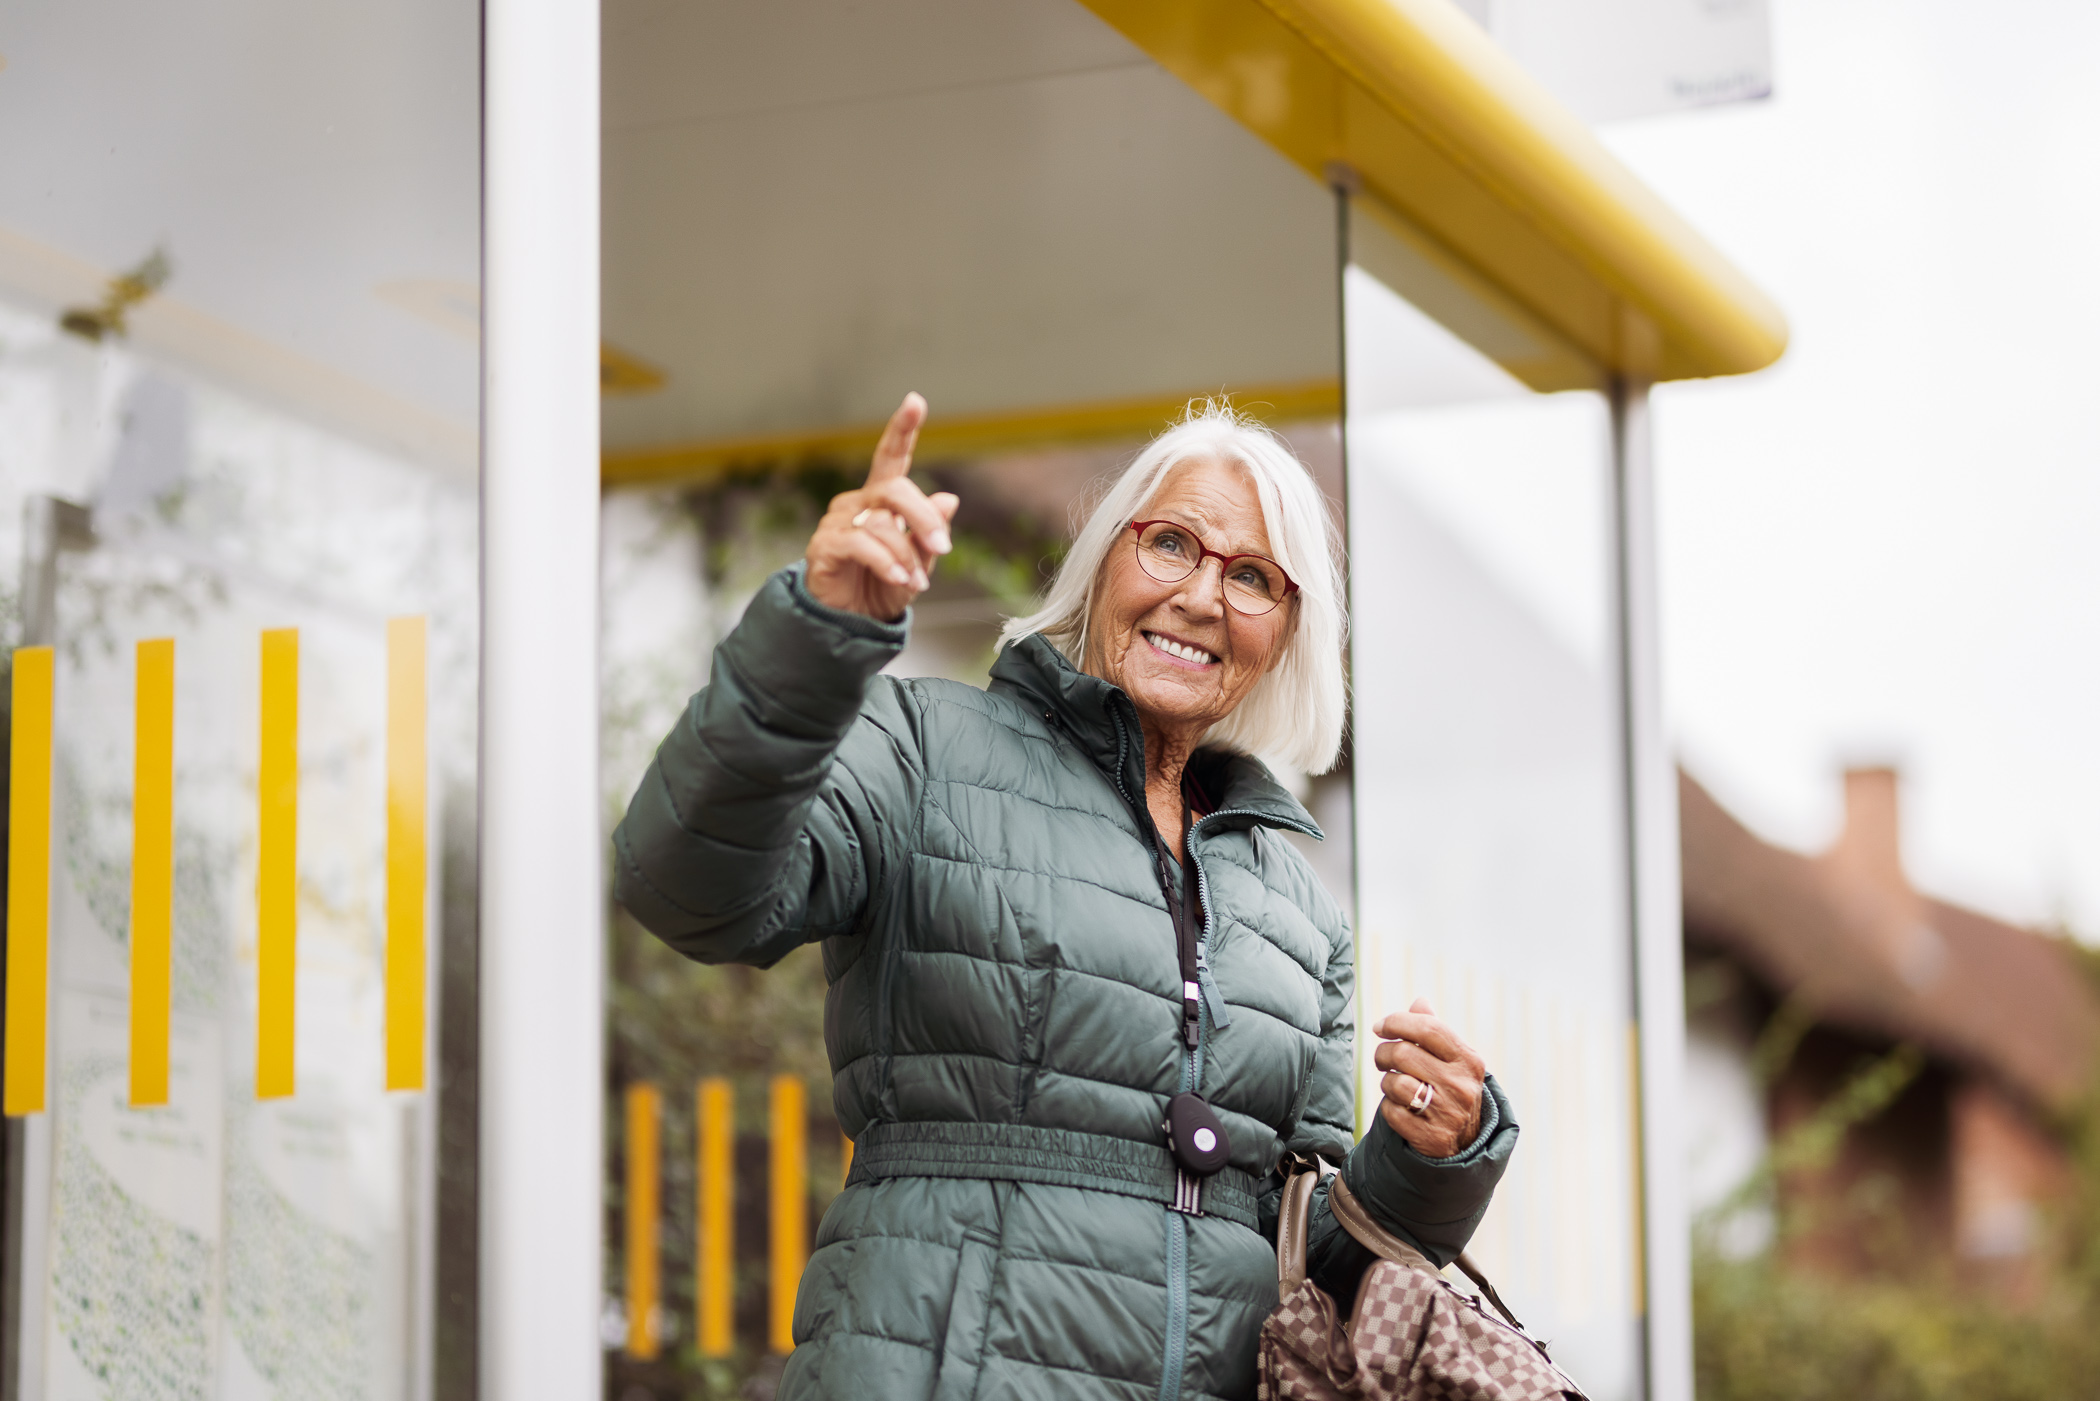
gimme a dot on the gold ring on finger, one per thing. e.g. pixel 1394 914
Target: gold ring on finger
pixel 1425 1095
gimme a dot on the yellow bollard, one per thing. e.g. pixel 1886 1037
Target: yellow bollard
pixel 152 869
pixel 643 1106
pixel 716 1247
pixel 790 1207
pixel 28 882
pixel 845 1159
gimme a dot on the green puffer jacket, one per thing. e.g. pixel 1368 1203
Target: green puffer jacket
pixel 1005 1011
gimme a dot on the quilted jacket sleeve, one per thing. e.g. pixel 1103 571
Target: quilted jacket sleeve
pixel 775 806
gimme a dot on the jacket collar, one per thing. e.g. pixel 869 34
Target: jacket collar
pixel 1101 720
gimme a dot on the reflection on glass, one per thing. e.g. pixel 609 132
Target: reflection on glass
pixel 1491 867
pixel 238 391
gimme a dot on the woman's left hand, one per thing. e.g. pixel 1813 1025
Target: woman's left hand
pixel 1417 1049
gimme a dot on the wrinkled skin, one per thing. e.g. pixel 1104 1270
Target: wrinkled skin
pixel 1179 699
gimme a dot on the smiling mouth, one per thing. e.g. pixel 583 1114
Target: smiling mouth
pixel 1179 649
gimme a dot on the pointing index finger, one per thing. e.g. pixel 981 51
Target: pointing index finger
pixel 893 453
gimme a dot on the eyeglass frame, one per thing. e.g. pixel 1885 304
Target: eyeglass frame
pixel 1204 552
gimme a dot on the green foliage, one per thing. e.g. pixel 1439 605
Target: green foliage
pixel 1009 579
pixel 1812 1144
pixel 1006 557
pixel 1768 1333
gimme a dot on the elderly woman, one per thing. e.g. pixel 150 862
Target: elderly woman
pixel 1083 993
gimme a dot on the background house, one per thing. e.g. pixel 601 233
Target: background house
pixel 1938 1050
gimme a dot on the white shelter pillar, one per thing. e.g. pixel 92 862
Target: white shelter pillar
pixel 1655 904
pixel 541 904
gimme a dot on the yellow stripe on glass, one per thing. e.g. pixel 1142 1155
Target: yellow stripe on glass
pixel 790 1207
pixel 643 1108
pixel 716 1246
pixel 152 869
pixel 28 882
pixel 406 860
pixel 277 856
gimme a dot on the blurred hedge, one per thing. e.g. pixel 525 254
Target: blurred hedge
pixel 1767 1333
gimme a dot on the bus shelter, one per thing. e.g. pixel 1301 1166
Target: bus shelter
pixel 332 339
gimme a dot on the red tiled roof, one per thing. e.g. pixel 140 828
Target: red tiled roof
pixel 2003 1000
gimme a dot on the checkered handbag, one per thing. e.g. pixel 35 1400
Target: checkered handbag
pixel 1413 1335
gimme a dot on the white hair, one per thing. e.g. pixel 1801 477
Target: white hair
pixel 1293 715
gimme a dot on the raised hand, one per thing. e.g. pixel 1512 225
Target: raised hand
pixel 874 550
pixel 1418 1050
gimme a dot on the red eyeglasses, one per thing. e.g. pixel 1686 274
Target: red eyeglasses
pixel 1169 551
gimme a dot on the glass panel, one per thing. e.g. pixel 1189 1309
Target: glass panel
pixel 1491 870
pixel 239 375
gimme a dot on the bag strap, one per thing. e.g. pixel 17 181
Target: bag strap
pixel 1473 1272
pixel 1292 1227
pixel 1350 1214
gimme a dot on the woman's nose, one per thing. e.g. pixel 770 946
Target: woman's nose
pixel 1203 592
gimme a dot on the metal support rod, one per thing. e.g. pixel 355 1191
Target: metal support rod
pixel 1345 183
pixel 1654 906
pixel 542 907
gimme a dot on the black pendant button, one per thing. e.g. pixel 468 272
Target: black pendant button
pixel 1194 1135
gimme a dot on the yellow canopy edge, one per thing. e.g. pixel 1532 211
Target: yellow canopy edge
pixel 1446 129
pixel 963 436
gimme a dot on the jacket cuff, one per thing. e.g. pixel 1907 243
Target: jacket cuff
pixel 793 666
pixel 858 624
pixel 1434 1202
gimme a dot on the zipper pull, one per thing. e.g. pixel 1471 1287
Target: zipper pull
pixel 1215 999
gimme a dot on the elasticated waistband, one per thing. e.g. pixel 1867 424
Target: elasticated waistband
pixel 1054 1157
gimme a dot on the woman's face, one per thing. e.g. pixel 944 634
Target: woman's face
pixel 1185 658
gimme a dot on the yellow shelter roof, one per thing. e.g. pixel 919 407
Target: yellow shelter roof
pixel 1414 100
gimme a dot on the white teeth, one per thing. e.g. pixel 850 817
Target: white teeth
pixel 1176 649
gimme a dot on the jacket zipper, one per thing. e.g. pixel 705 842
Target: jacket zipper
pixel 1174 1360
pixel 1176 1357
pixel 1192 1063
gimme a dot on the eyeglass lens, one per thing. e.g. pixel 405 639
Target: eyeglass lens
pixel 1168 553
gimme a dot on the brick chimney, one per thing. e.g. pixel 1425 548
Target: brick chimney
pixel 1867 862
pixel 1870 848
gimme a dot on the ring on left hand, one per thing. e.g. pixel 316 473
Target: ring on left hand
pixel 1425 1095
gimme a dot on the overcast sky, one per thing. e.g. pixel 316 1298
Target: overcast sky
pixel 1889 545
